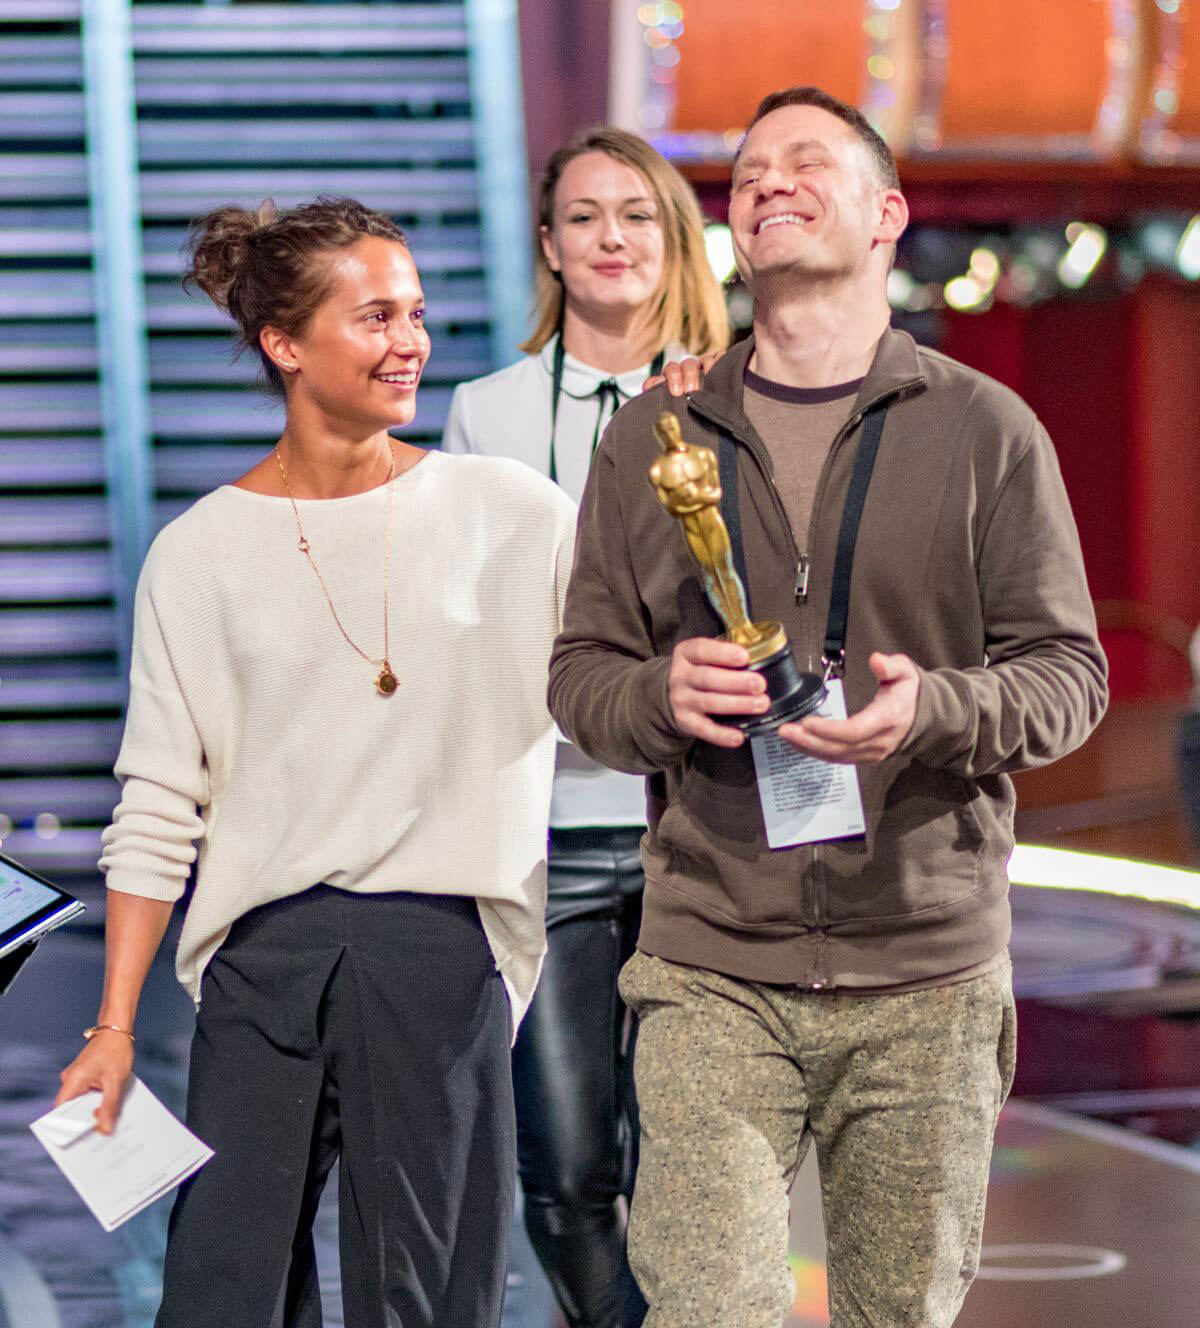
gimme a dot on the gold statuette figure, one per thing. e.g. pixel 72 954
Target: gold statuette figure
pixel 687 482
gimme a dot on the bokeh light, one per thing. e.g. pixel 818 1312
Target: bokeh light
pixel 1064 869
pixel 1187 255
pixel 46 825
pixel 1087 248
pixel 718 247
pixel 965 293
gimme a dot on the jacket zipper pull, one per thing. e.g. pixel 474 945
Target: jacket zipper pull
pixel 802 579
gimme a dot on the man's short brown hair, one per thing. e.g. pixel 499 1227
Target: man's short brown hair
pixel 881 154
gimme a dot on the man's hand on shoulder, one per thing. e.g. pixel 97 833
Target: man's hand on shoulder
pixel 709 677
pixel 684 376
pixel 875 732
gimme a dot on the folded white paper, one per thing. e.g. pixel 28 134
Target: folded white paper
pixel 117 1175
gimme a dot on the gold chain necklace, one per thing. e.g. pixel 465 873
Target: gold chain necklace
pixel 385 681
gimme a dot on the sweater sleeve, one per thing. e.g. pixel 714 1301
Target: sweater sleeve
pixel 150 846
pixel 563 561
pixel 456 436
pixel 1044 686
pixel 608 688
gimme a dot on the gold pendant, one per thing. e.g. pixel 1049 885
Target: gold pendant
pixel 386 683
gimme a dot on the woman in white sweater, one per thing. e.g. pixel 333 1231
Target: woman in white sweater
pixel 622 283
pixel 338 690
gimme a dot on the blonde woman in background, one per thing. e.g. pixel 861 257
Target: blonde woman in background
pixel 623 284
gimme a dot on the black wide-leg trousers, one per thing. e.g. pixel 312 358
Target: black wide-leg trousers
pixel 573 1074
pixel 373 1029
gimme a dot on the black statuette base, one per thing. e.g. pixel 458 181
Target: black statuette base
pixel 792 695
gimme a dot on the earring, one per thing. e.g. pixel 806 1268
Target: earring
pixel 288 365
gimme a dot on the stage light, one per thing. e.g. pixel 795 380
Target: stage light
pixel 879 66
pixel 1160 241
pixel 985 266
pixel 1064 869
pixel 965 293
pixel 718 248
pixel 1187 255
pixel 879 26
pixel 1088 244
pixel 900 286
pixel 46 825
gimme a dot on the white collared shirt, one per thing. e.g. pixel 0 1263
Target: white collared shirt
pixel 507 413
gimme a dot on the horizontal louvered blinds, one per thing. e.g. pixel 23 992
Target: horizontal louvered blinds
pixel 234 103
pixel 60 693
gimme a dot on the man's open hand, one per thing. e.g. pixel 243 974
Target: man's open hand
pixel 876 730
pixel 709 677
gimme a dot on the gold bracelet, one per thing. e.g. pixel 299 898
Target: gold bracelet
pixel 90 1033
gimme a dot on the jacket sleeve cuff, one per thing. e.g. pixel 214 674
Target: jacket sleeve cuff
pixel 654 725
pixel 943 722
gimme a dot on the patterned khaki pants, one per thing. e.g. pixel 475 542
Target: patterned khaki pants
pixel 901 1095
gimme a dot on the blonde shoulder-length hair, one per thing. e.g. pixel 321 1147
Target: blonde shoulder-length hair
pixel 688 308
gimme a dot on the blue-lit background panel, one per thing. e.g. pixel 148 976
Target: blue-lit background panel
pixel 60 646
pixel 222 103
pixel 240 103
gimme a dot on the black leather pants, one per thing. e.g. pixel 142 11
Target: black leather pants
pixel 573 1080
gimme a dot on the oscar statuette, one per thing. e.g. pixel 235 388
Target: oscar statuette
pixel 686 481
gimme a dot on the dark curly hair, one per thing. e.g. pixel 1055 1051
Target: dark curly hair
pixel 264 268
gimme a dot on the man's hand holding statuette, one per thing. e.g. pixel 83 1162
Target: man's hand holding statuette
pixel 709 677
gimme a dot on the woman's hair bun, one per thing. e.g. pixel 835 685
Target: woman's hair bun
pixel 267 268
pixel 218 245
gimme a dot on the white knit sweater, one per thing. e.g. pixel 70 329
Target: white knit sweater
pixel 254 728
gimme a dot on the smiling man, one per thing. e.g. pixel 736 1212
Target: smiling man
pixel 825 959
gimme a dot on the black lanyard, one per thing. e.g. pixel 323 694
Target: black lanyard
pixel 609 387
pixel 834 654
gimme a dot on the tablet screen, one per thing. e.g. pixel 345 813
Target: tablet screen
pixel 29 905
pixel 21 897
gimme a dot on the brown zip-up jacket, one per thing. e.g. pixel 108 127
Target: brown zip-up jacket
pixel 967 560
